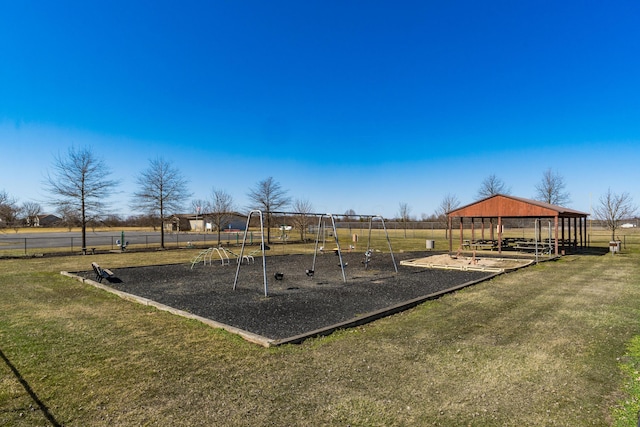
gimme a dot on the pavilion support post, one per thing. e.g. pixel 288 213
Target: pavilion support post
pixel 555 226
pixel 499 234
pixel 562 230
pixel 491 229
pixel 575 234
pixel 580 225
pixel 473 230
pixel 450 237
pixel 482 222
pixel 461 231
pixel 570 245
pixel 539 236
pixel 578 231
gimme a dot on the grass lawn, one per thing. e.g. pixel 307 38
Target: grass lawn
pixel 553 344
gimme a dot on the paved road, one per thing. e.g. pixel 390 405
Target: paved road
pixel 28 242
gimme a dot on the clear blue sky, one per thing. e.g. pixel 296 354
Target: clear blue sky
pixel 350 104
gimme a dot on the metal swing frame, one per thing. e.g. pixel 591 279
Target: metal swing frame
pixel 315 253
pixel 335 236
pixel 262 247
pixel 393 258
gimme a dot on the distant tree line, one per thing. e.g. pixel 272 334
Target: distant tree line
pixel 79 184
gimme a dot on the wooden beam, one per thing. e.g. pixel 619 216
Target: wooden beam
pixel 473 229
pixel 499 234
pixel 450 237
pixel 555 226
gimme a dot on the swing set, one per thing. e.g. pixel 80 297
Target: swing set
pixel 321 228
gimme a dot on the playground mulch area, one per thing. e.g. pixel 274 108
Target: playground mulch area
pixel 298 305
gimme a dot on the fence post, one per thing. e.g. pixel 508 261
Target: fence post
pixel 25 245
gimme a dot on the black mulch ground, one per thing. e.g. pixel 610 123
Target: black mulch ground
pixel 295 305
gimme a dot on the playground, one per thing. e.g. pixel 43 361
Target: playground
pixel 272 300
pixel 298 305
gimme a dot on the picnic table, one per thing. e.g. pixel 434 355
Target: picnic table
pixel 531 246
pixel 480 244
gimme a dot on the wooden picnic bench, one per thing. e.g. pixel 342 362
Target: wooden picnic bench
pixel 530 246
pixel 101 273
pixel 480 244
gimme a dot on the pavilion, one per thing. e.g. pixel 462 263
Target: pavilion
pixel 500 206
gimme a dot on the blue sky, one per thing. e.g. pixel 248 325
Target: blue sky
pixel 357 105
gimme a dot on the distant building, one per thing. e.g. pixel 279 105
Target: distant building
pixel 203 222
pixel 45 220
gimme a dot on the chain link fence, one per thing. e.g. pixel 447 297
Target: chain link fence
pixel 104 242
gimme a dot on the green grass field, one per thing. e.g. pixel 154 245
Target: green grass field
pixel 553 344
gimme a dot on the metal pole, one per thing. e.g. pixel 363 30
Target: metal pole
pixel 388 240
pixel 264 261
pixel 315 252
pixel 335 236
pixel 389 243
pixel 535 232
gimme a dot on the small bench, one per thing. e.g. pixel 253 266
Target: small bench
pixel 525 246
pixel 101 273
pixel 480 244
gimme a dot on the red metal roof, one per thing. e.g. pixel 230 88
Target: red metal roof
pixel 505 206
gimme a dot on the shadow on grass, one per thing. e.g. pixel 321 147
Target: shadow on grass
pixel 592 251
pixel 29 390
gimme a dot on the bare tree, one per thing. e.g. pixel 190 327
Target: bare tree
pixel 301 219
pixel 349 215
pixel 162 189
pixel 9 210
pixel 69 217
pixel 200 207
pixel 5 198
pixel 221 210
pixel 79 186
pixel 31 210
pixel 491 186
pixel 614 208
pixel 268 196
pixel 448 203
pixel 551 189
pixel 428 217
pixel 404 215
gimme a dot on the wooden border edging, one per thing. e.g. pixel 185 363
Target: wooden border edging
pixel 377 314
pixel 248 336
pixel 297 339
